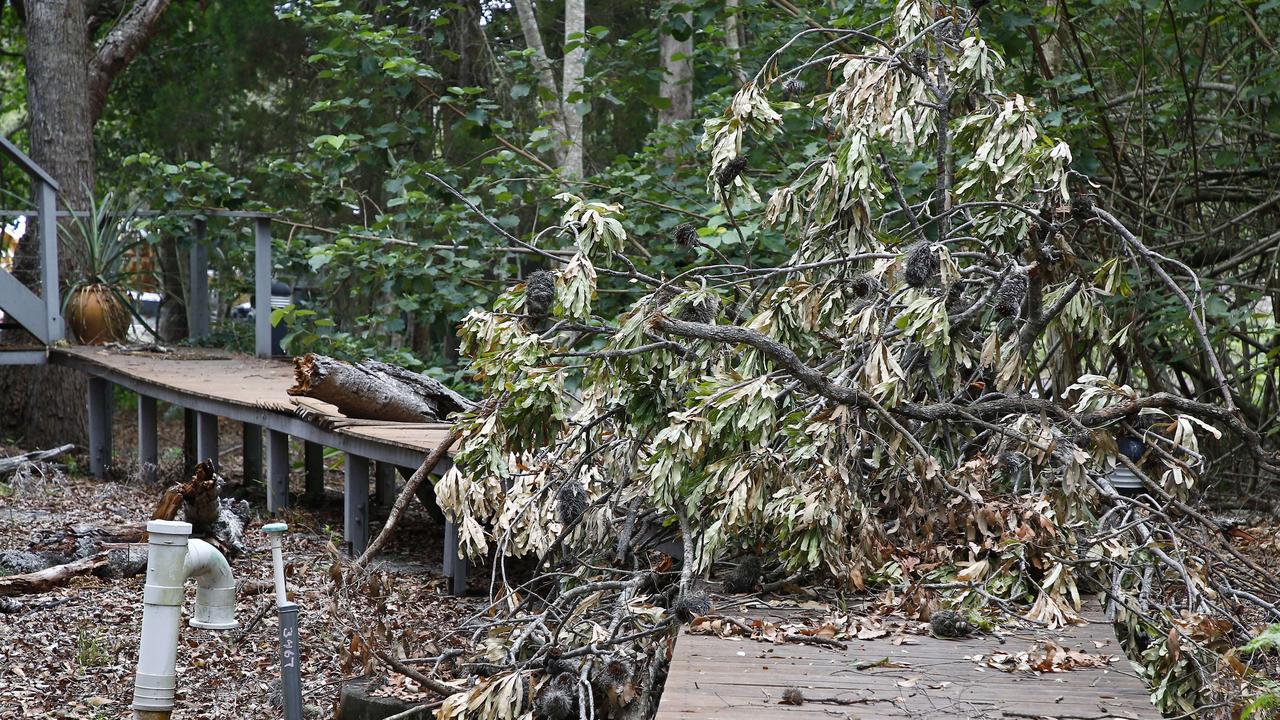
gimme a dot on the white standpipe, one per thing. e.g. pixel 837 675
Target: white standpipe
pixel 275 532
pixel 172 557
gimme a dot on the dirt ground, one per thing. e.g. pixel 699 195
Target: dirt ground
pixel 71 652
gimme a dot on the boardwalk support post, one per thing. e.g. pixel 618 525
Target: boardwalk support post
pixel 251 452
pixel 262 267
pixel 454 566
pixel 355 525
pixel 99 426
pixel 277 471
pixel 207 438
pixel 313 460
pixel 148 450
pixel 384 483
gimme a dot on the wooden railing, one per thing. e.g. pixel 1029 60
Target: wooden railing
pixel 41 315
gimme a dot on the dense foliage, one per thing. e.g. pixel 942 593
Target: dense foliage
pixel 882 309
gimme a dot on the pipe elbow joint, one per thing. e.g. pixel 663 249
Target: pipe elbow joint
pixel 215 587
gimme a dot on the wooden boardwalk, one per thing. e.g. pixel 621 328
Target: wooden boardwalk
pixel 251 390
pixel 922 677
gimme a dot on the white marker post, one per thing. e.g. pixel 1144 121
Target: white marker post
pixel 290 657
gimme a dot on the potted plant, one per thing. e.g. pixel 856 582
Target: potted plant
pixel 96 307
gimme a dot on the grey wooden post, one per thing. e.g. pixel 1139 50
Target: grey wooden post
pixel 207 438
pixel 189 444
pixel 355 501
pixel 99 426
pixel 384 484
pixel 450 547
pixel 262 267
pixel 148 454
pixel 198 287
pixel 460 566
pixel 251 452
pixel 46 210
pixel 277 471
pixel 313 459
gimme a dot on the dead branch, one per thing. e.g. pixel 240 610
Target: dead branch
pixel 51 577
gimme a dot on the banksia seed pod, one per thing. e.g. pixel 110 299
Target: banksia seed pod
pixel 1082 207
pixel 1011 293
pixel 865 286
pixel 571 502
pixel 700 311
pixel 556 664
pixel 921 265
pixel 792 87
pixel 792 696
pixel 731 171
pixel 539 293
pixel 743 579
pixel 949 624
pixel 956 300
pixel 558 699
pixel 614 675
pixel 686 234
pixel 691 604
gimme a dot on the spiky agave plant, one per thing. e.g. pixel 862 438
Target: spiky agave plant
pixel 95 304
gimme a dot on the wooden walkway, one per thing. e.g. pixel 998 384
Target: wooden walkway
pixel 251 390
pixel 922 677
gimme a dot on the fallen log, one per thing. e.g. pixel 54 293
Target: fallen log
pixel 372 390
pixel 84 540
pixel 51 577
pixel 14 462
pixel 218 520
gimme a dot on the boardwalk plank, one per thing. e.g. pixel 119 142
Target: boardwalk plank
pixel 715 677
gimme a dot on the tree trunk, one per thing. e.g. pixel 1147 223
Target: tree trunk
pixel 49 402
pixel 575 60
pixel 676 85
pixel 732 39
pixel 173 305
pixel 374 390
pixel 66 88
pixel 546 78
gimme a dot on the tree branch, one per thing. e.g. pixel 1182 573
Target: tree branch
pixel 119 48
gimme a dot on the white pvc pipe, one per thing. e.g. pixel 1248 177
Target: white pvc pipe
pixel 216 587
pixel 172 557
pixel 275 532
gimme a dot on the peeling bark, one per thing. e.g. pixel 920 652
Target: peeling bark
pixel 374 390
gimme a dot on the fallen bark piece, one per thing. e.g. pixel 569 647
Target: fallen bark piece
pixel 373 390
pixel 50 578
pixel 14 462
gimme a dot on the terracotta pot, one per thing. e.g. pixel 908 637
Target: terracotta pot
pixel 97 316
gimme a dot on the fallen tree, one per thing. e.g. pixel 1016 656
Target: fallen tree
pixel 929 395
pixel 374 390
